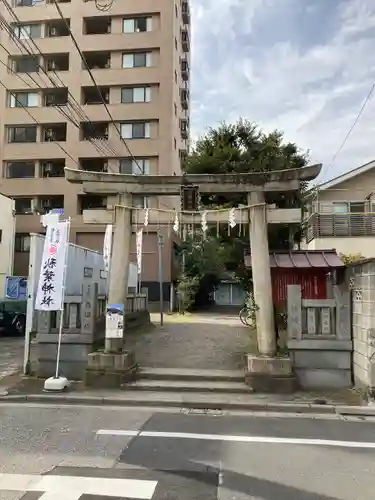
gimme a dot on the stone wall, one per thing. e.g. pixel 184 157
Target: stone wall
pixel 319 340
pixel 360 278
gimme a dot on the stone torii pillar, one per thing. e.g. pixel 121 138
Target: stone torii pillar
pixel 260 265
pixel 119 267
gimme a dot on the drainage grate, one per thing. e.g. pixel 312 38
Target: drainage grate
pixel 213 412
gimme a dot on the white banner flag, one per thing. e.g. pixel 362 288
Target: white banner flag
pixel 139 250
pixel 107 247
pixel 50 292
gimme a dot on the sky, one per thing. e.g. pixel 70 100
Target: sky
pixel 303 67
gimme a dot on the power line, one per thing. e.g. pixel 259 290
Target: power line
pixel 365 102
pixel 96 85
pixel 103 7
pixel 103 148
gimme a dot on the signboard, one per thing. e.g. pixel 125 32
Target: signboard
pixel 139 250
pixel 114 322
pixel 50 291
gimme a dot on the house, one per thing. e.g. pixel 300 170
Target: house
pixel 341 213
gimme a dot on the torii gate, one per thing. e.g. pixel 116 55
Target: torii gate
pixel 255 185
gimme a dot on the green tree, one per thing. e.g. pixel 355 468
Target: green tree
pixel 238 148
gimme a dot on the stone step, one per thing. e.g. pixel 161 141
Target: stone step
pixel 191 374
pixel 197 386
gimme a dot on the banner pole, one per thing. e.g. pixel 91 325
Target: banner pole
pixel 61 325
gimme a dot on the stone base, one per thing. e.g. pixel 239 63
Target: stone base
pixel 110 370
pixel 270 375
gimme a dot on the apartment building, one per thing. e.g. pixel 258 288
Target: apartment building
pixel 128 114
pixel 341 213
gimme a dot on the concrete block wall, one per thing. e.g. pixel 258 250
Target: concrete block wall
pixel 361 278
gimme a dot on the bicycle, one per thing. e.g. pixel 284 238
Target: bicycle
pixel 246 316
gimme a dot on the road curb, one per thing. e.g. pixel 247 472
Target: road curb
pixel 69 399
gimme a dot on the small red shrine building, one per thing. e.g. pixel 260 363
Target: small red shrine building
pixel 312 269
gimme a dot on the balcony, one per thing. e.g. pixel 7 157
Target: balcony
pixel 56 62
pixel 184 127
pixel 185 10
pixel 95 95
pixel 97 25
pixel 55 97
pixel 44 204
pixel 185 70
pixel 97 60
pixel 94 164
pixel 94 130
pixel 52 168
pixel 340 225
pixel 55 132
pixel 185 40
pixel 184 94
pixel 57 28
pixel 91 202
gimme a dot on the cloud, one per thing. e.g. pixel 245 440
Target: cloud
pixel 301 66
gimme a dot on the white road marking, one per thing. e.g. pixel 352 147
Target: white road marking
pixel 109 432
pixel 71 487
pixel 239 439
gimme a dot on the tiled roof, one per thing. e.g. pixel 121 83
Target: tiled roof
pixel 301 259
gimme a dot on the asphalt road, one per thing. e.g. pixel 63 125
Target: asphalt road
pixel 97 453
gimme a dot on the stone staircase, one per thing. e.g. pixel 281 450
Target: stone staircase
pixel 189 388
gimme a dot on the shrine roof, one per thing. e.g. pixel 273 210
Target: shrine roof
pixel 303 259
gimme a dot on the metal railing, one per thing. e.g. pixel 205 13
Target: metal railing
pixel 339 224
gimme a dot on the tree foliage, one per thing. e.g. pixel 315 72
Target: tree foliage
pixel 349 258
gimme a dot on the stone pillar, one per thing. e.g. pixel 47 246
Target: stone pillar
pixel 119 266
pixel 261 275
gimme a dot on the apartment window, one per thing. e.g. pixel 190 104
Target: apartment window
pixel 27 31
pixel 137 25
pixel 345 207
pixel 24 3
pixel 136 60
pixel 139 166
pixel 136 94
pixel 24 100
pixel 22 134
pixel 140 130
pixel 141 202
pixel 20 170
pixel 23 205
pixel 22 242
pixel 26 64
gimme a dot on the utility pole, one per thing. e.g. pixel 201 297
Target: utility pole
pixel 160 254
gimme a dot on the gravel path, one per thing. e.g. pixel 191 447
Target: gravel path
pixel 201 341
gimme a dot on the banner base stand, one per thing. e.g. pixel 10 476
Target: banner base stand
pixel 56 384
